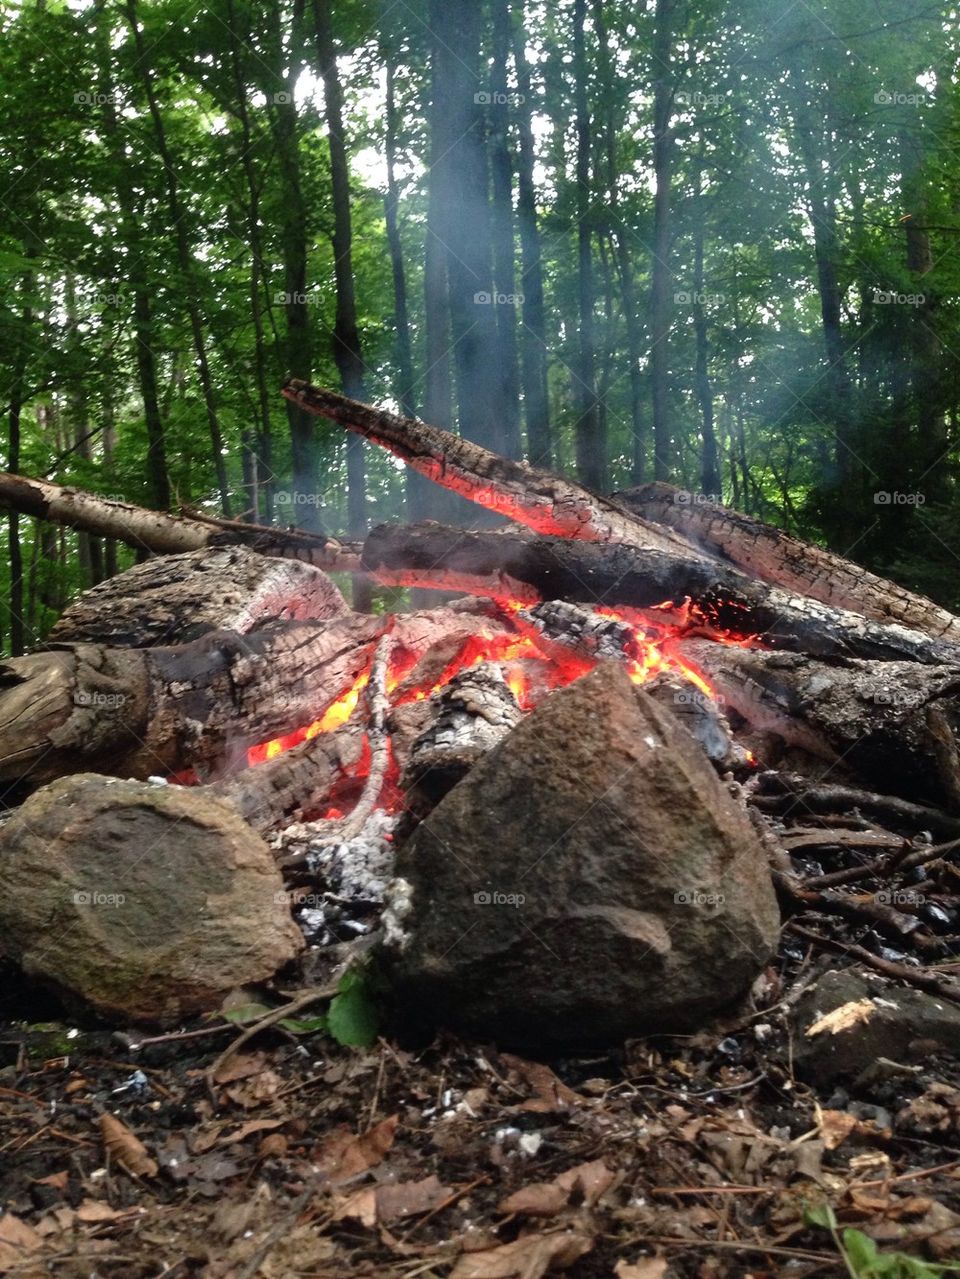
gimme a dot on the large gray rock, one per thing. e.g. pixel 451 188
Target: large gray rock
pixel 589 880
pixel 146 903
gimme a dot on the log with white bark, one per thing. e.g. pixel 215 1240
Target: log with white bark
pixel 159 532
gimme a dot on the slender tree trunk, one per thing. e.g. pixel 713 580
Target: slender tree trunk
pixel 590 442
pixel 533 343
pixel 260 462
pixel 660 310
pixel 504 267
pixel 144 340
pixel 187 266
pixel 612 95
pixel 924 339
pixel 710 481
pixel 346 336
pixel 17 392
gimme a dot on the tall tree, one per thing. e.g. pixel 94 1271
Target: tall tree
pixel 346 335
pixel 664 450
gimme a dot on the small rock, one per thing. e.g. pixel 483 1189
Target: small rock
pixel 852 1017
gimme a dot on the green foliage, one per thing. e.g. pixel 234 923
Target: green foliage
pixel 863 1258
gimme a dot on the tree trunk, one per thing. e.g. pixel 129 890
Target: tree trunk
pixel 504 268
pixel 591 445
pixel 181 232
pixel 660 311
pixel 533 341
pixel 710 481
pixel 347 353
pixel 462 171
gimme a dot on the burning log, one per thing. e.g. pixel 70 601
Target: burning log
pixel 543 501
pixel 774 556
pixel 511 566
pixel 202 705
pixel 895 724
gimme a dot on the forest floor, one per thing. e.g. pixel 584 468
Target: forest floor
pixel 689 1157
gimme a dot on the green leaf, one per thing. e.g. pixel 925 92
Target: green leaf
pixel 353 1019
pixel 821 1215
pixel 304 1025
pixel 862 1252
pixel 246 1013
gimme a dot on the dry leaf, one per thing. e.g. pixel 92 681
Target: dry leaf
pixel 552 1093
pixel 273 1146
pixel 251 1126
pixel 342 1155
pixel 92 1210
pixel 377 1205
pixel 126 1149
pixel 541 1199
pixel 241 1066
pixel 17 1239
pixel 835 1126
pixel 590 1180
pixel 56 1179
pixel 843 1018
pixel 645 1268
pixel 526 1258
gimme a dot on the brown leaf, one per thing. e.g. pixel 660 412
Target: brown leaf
pixel 835 1127
pixel 645 1268
pixel 541 1199
pixel 241 1066
pixel 56 1179
pixel 342 1155
pixel 526 1258
pixel 273 1146
pixel 549 1089
pixel 17 1240
pixel 126 1149
pixel 410 1198
pixel 252 1126
pixel 95 1210
pixel 590 1180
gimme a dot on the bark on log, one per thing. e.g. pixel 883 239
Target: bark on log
pixel 772 555
pixel 159 532
pixel 140 712
pixel 896 725
pixel 174 599
pixel 511 566
pixel 543 501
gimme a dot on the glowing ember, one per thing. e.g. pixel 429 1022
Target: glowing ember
pixel 650 654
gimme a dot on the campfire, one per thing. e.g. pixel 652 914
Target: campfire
pixel 235 670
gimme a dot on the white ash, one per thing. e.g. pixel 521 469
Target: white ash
pixel 399 906
pixel 357 869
